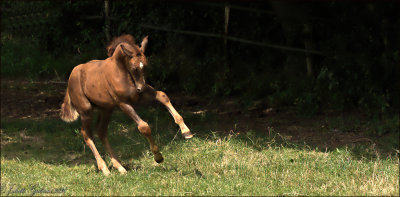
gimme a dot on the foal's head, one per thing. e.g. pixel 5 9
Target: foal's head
pixel 125 51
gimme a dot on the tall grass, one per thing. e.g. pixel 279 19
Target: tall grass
pixel 48 157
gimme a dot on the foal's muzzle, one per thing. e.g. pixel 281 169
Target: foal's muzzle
pixel 139 87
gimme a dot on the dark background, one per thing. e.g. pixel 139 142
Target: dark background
pixel 352 48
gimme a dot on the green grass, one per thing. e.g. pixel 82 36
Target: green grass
pixel 48 157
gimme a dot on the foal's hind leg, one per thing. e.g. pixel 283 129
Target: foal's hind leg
pixel 104 119
pixel 88 137
pixel 84 108
pixel 144 129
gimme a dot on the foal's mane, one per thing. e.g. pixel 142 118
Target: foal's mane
pixel 127 38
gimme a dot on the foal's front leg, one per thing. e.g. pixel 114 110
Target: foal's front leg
pixel 144 129
pixel 163 98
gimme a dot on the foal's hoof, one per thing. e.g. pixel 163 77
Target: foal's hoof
pixel 158 158
pixel 187 135
pixel 121 170
pixel 106 172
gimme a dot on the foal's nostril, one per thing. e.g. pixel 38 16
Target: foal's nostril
pixel 138 89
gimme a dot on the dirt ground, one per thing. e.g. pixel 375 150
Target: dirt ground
pixel 24 99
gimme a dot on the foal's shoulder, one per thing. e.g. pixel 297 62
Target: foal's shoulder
pixel 94 62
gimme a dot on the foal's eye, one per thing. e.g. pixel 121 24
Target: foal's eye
pixel 138 55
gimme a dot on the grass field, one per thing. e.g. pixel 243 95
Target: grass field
pixel 49 157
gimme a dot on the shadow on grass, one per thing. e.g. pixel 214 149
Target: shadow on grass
pixel 55 142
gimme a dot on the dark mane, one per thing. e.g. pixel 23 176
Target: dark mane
pixel 127 38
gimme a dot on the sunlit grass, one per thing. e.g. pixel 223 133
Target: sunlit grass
pixel 47 157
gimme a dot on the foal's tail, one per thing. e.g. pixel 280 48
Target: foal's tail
pixel 68 112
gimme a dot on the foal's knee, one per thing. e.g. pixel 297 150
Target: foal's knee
pixel 161 96
pixel 144 129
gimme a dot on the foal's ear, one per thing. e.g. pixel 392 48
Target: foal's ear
pixel 144 44
pixel 126 51
pixel 121 52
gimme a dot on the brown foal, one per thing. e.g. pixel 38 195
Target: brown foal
pixel 105 84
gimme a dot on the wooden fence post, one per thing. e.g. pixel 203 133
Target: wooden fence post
pixel 107 20
pixel 225 49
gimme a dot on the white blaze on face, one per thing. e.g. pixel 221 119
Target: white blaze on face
pixel 141 65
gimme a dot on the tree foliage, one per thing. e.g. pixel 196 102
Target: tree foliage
pixel 359 68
